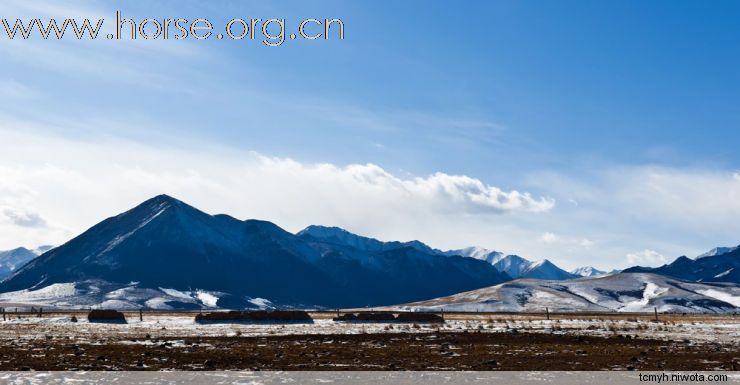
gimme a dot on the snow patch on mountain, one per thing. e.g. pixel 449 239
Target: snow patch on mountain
pixel 650 291
pixel 207 298
pixel 261 303
pixel 730 298
pixel 725 273
pixel 163 206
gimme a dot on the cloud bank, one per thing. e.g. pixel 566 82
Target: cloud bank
pixel 77 183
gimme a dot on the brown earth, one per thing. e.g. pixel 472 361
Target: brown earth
pixel 403 351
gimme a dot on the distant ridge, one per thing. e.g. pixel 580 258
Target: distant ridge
pixel 714 266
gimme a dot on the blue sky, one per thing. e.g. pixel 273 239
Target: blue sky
pixel 617 118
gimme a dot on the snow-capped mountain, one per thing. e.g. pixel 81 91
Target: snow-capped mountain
pixel 166 244
pixel 518 267
pixel 717 251
pixel 721 267
pixel 478 253
pixel 514 266
pixel 623 292
pixel 545 269
pixel 11 260
pixel 587 271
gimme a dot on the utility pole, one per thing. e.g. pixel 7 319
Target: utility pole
pixel 141 316
pixel 547 313
pixel 656 314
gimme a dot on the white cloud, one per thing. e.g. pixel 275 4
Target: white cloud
pixel 549 238
pixel 565 243
pixel 585 243
pixel 646 257
pixel 76 184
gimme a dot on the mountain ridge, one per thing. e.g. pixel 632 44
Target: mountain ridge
pixel 512 265
pixel 722 267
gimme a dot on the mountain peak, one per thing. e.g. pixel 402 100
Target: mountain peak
pixel 19 250
pixel 318 230
pixel 164 199
pixel 717 251
pixel 476 252
pixel 544 269
pixel 12 259
pixel 159 204
pixel 587 271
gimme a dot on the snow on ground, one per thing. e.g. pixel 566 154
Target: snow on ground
pixel 697 329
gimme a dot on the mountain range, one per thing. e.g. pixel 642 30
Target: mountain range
pixel 165 254
pixel 166 244
pixel 512 265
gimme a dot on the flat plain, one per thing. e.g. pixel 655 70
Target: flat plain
pixel 465 341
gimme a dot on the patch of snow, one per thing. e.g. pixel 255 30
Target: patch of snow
pixel 722 296
pixel 118 239
pixel 261 303
pixel 651 291
pixel 115 304
pixel 178 294
pixel 158 303
pixel 207 298
pixel 720 275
